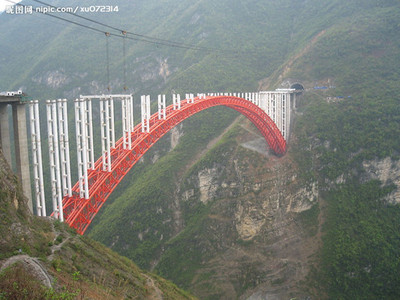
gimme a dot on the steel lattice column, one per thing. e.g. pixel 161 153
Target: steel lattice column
pixel 107 130
pixel 145 105
pixel 161 107
pixel 176 100
pixel 127 120
pixel 37 158
pixel 52 129
pixel 82 152
pixel 64 147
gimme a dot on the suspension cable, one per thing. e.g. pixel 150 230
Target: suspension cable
pixel 124 57
pixel 108 61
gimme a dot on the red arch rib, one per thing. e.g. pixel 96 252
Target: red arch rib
pixel 79 213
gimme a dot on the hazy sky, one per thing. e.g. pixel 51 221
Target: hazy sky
pixel 4 3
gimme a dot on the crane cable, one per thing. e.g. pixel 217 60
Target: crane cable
pixel 139 37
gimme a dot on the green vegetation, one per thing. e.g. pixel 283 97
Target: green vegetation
pixel 184 252
pixel 309 219
pixel 360 257
pixel 17 283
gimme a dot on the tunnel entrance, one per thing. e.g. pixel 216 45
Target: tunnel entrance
pixel 297 87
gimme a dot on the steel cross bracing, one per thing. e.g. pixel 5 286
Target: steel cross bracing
pixel 97 179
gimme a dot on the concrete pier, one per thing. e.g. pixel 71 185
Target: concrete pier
pixel 21 149
pixel 5 141
pixel 20 140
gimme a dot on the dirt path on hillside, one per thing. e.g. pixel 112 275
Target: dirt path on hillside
pixel 57 247
pixel 155 292
pixel 33 264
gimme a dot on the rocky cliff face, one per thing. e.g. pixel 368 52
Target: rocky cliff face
pixel 259 233
pixel 388 172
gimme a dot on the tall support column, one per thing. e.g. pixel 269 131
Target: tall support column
pixel 190 98
pixel 64 147
pixel 131 109
pixel 273 106
pixel 37 158
pixel 52 130
pixel 21 149
pixel 279 120
pixel 257 99
pixel 87 108
pixel 5 132
pixel 161 107
pixel 261 100
pixel 283 112
pixel 81 139
pixel 127 121
pixel 294 101
pixel 145 105
pixel 287 115
pixel 107 130
pixel 112 130
pixel 176 99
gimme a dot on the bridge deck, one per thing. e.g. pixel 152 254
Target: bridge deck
pixel 11 99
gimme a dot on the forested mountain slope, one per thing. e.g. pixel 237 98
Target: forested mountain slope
pixel 204 208
pixel 44 259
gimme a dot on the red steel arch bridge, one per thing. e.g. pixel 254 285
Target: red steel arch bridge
pixel 77 205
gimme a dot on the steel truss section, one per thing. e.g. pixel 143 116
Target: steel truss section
pixel 37 158
pixel 80 212
pixel 52 129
